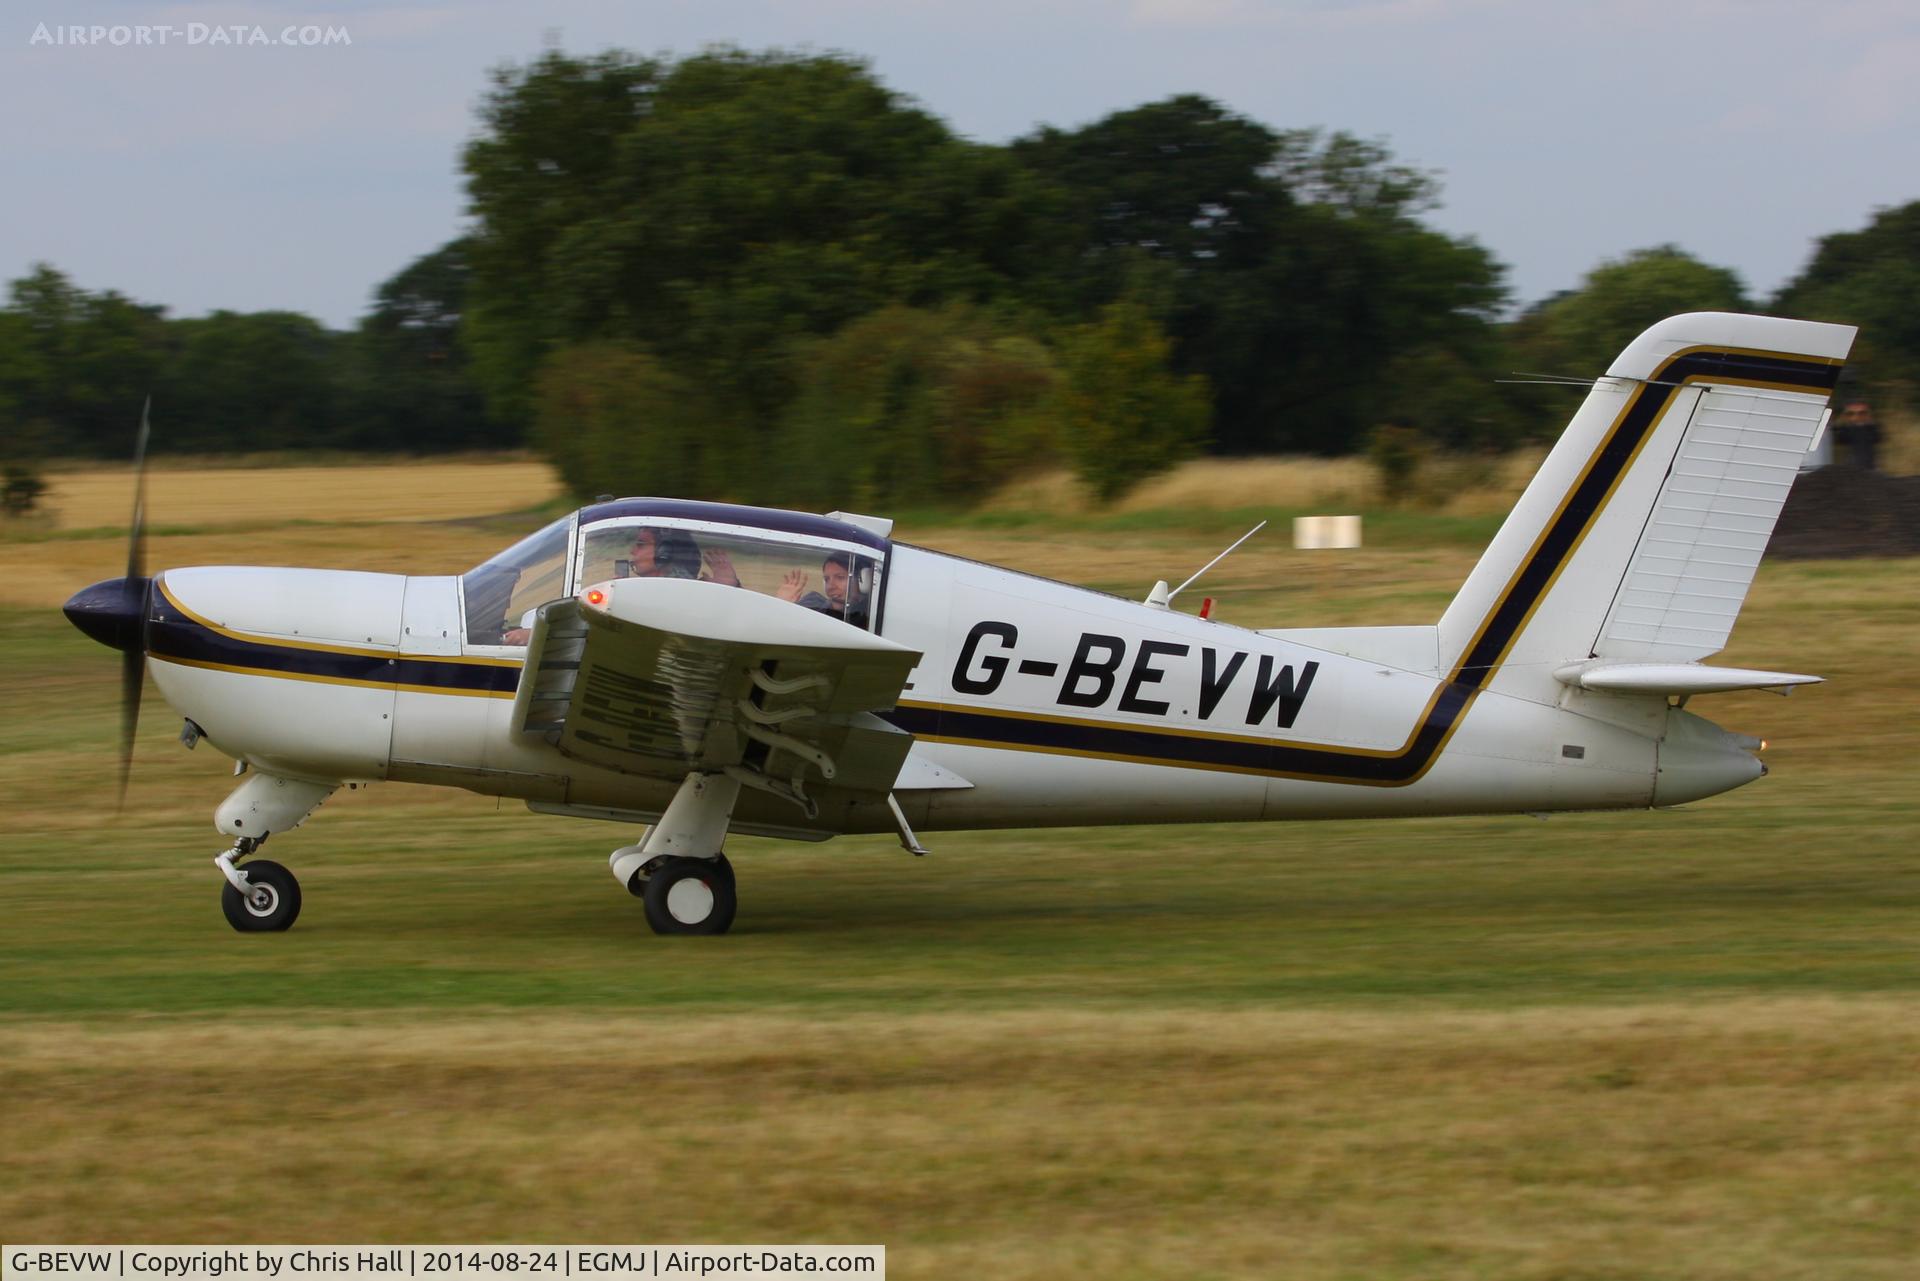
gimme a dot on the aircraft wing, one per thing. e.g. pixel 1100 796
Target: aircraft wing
pixel 665 676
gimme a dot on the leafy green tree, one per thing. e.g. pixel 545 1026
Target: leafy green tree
pixel 615 419
pixel 720 210
pixel 1335 319
pixel 1398 453
pixel 80 363
pixel 1184 181
pixel 1451 396
pixel 407 381
pixel 1123 413
pixel 116 360
pixel 538 179
pixel 41 323
pixel 22 374
pixel 1289 268
pixel 906 405
pixel 1869 278
pixel 1579 333
pixel 248 381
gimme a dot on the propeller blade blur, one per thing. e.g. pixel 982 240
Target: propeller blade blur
pixel 133 663
pixel 137 539
pixel 133 673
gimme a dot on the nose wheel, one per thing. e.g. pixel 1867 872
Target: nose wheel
pixel 269 901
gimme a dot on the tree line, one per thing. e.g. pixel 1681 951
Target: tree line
pixel 75 367
pixel 766 276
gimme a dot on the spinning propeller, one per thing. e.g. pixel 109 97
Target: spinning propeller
pixel 114 612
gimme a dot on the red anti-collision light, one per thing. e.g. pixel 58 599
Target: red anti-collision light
pixel 595 596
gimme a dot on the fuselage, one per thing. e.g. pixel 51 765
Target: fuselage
pixel 1035 704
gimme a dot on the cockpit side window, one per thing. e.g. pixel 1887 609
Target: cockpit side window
pixel 499 593
pixel 830 578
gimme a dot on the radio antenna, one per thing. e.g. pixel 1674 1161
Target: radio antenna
pixel 1161 598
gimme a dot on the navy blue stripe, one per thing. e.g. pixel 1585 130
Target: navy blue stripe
pixel 171 634
pixel 1180 749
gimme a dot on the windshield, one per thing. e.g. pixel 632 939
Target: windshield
pixel 501 593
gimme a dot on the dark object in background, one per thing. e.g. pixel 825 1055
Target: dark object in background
pixel 1849 511
pixel 20 489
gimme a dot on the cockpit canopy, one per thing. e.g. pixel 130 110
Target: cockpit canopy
pixel 822 563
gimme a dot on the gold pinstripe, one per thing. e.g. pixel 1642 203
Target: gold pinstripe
pixel 318 647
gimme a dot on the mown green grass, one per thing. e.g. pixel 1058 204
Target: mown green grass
pixel 1804 882
pixel 436 907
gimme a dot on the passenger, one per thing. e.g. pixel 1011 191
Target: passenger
pixel 842 598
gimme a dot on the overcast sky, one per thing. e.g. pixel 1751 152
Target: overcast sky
pixel 202 174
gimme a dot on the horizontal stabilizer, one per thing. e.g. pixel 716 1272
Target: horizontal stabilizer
pixel 1674 678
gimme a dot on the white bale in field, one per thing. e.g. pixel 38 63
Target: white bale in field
pixel 1313 533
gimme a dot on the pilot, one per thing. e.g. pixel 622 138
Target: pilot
pixel 673 553
pixel 842 598
pixel 663 553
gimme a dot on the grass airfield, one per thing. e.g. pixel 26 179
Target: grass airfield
pixel 1639 1045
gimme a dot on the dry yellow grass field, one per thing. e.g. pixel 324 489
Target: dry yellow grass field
pixel 416 518
pixel 97 497
pixel 1452 485
pixel 43 574
pixel 1661 1140
pixel 1205 484
pixel 401 517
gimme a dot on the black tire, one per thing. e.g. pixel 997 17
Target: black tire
pixel 274 904
pixel 704 902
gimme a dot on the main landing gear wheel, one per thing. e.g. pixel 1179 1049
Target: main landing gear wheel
pixel 271 902
pixel 691 896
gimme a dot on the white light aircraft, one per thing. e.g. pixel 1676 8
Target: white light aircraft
pixel 705 669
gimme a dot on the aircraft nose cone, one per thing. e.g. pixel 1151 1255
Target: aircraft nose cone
pixel 112 612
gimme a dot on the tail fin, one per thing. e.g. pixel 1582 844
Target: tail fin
pixel 1641 533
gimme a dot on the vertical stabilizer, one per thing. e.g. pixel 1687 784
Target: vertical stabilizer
pixel 1641 533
